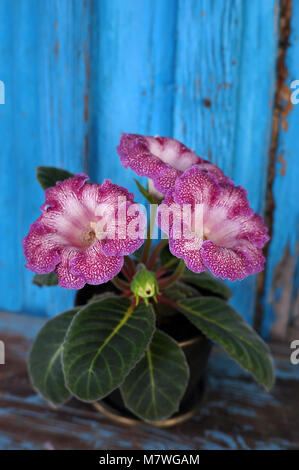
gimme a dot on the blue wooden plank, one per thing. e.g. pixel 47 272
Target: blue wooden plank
pixel 225 76
pixel 281 301
pixel 77 74
pixel 9 275
pixel 44 47
pixel 133 92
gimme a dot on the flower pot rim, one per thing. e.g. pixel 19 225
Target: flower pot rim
pixel 110 413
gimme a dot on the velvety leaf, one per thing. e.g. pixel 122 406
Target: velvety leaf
pixel 154 388
pixel 45 368
pixel 207 282
pixel 222 324
pixel 99 297
pixel 41 280
pixel 145 193
pixel 48 176
pixel 177 291
pixel 103 343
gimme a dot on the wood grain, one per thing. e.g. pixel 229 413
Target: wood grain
pixel 225 86
pixel 281 298
pixel 238 414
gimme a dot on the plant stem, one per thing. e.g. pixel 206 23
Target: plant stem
pixel 166 282
pixel 130 266
pixel 146 250
pixel 167 302
pixel 165 267
pixel 121 285
pixel 156 253
pixel 148 241
pixel 126 273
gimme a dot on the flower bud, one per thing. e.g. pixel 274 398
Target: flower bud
pixel 144 285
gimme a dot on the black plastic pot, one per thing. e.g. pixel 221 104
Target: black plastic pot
pixel 196 348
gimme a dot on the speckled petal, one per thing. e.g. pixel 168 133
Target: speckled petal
pixel 234 200
pixel 40 248
pixel 195 187
pixel 65 277
pixel 63 194
pixel 215 172
pixel 128 236
pixel 161 159
pixel 253 229
pixel 187 248
pixel 256 260
pixel 94 266
pixel 225 263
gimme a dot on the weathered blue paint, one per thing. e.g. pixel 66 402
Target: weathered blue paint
pixel 225 76
pixel 134 62
pixel 77 73
pixel 44 47
pixel 281 301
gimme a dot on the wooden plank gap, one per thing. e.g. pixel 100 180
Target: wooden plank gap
pixel 281 109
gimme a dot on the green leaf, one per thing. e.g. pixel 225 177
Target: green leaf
pixel 177 291
pixel 145 193
pixel 154 388
pixel 207 282
pixel 100 297
pixel 104 342
pixel 48 176
pixel 45 368
pixel 222 324
pixel 41 280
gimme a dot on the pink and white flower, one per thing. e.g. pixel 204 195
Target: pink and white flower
pixel 80 234
pixel 211 226
pixel 162 160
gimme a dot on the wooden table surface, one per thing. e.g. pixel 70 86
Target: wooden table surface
pixel 238 414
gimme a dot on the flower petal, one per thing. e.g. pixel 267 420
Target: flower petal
pixel 195 187
pixel 94 266
pixel 129 231
pixel 66 278
pixel 234 200
pixel 183 244
pixel 215 172
pixel 134 153
pixel 161 159
pixel 256 260
pixel 225 263
pixel 253 229
pixel 64 192
pixel 40 249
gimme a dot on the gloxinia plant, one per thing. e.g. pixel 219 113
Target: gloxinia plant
pixel 139 304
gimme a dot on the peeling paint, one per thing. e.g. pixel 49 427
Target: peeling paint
pixel 207 102
pixel 283 161
pixel 281 293
pixel 279 121
pixel 56 48
pixel 86 107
